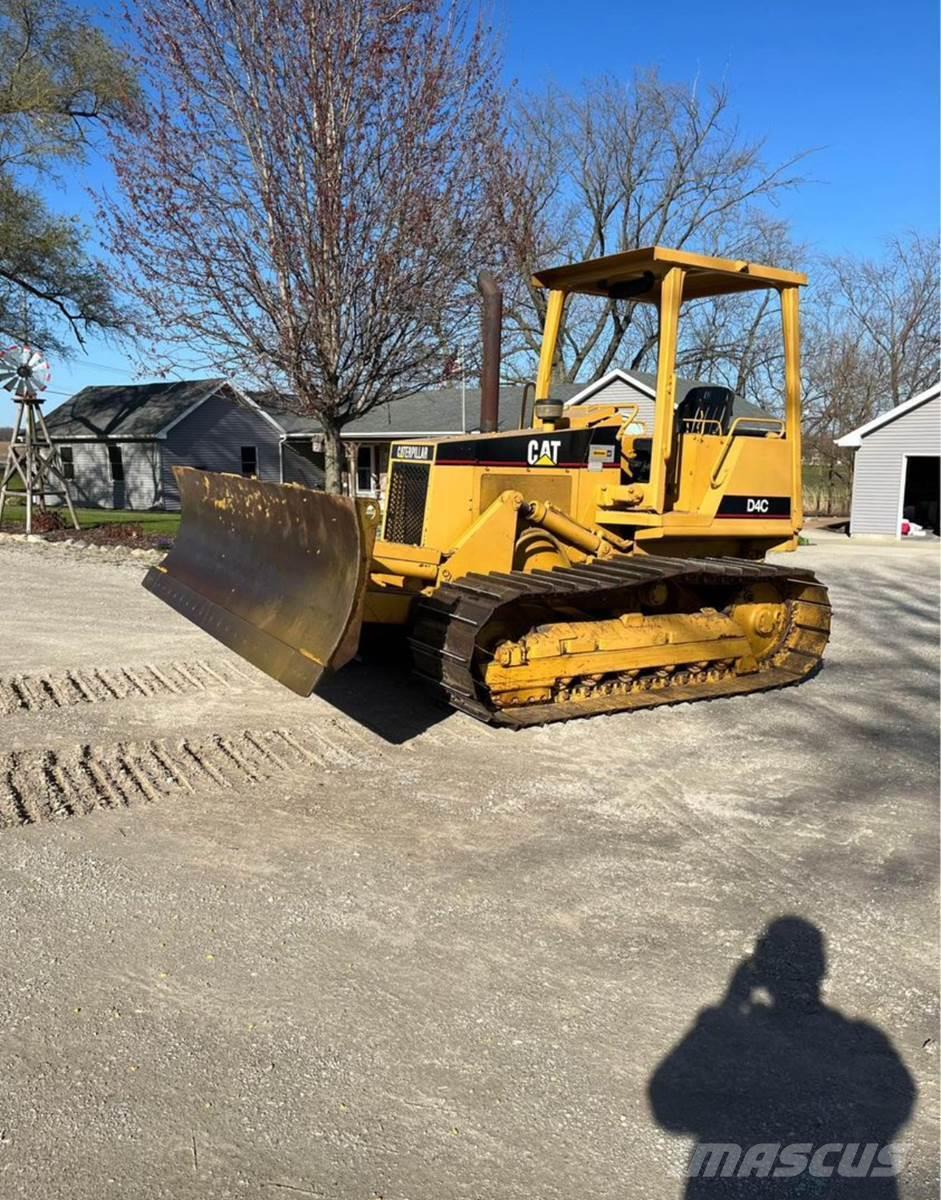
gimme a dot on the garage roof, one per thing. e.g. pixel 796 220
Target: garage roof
pixel 856 437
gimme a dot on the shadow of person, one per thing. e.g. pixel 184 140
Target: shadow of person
pixel 785 1096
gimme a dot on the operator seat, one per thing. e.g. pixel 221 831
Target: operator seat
pixel 702 408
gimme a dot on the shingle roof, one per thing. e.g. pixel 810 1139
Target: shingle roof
pixel 128 410
pixel 277 406
pixel 438 411
pixel 144 409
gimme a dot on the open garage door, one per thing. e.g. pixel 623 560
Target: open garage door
pixel 920 490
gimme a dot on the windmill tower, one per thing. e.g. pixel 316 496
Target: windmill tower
pixel 32 457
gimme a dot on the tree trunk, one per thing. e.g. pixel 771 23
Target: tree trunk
pixel 333 458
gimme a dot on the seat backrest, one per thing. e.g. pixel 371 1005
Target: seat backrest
pixel 704 408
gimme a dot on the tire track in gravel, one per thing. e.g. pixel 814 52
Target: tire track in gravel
pixel 682 808
pixel 95 685
pixel 46 785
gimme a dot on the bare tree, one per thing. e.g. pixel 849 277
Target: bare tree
pixel 841 390
pixel 616 167
pixel 306 199
pixel 871 333
pixel 871 342
pixel 891 305
pixel 736 340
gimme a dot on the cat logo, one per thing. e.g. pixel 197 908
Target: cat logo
pixel 543 452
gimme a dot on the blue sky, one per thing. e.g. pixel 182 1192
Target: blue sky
pixel 857 79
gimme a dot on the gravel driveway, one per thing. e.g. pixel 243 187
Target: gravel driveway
pixel 357 947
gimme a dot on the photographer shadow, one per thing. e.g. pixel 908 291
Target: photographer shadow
pixel 785 1096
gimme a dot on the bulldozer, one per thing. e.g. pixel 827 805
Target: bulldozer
pixel 581 565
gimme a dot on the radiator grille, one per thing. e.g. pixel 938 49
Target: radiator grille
pixel 405 512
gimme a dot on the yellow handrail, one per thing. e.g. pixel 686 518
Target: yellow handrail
pixel 777 429
pixel 698 425
pixel 633 412
pixel 629 416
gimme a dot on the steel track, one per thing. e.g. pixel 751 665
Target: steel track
pixel 449 630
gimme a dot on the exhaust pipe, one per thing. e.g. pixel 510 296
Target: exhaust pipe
pixel 490 371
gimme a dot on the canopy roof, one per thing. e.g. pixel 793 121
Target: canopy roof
pixel 636 275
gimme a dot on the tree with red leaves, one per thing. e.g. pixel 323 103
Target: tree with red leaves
pixel 304 199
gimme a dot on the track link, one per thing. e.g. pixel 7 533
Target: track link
pixel 449 631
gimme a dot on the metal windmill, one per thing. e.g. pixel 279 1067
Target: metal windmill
pixel 32 457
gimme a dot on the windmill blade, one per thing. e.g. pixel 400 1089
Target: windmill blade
pixel 23 371
pixel 8 363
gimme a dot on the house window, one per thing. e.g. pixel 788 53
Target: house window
pixel 68 463
pixel 250 461
pixel 366 471
pixel 116 463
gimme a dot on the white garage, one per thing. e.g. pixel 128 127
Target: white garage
pixel 897 467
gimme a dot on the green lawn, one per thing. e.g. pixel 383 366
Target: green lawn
pixel 152 522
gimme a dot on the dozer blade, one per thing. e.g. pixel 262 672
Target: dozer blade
pixel 276 572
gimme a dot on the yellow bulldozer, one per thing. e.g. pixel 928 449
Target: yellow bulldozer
pixel 582 565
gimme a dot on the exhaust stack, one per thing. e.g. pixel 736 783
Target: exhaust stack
pixel 490 371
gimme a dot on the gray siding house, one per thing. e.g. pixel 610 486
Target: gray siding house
pixel 896 471
pixel 119 444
